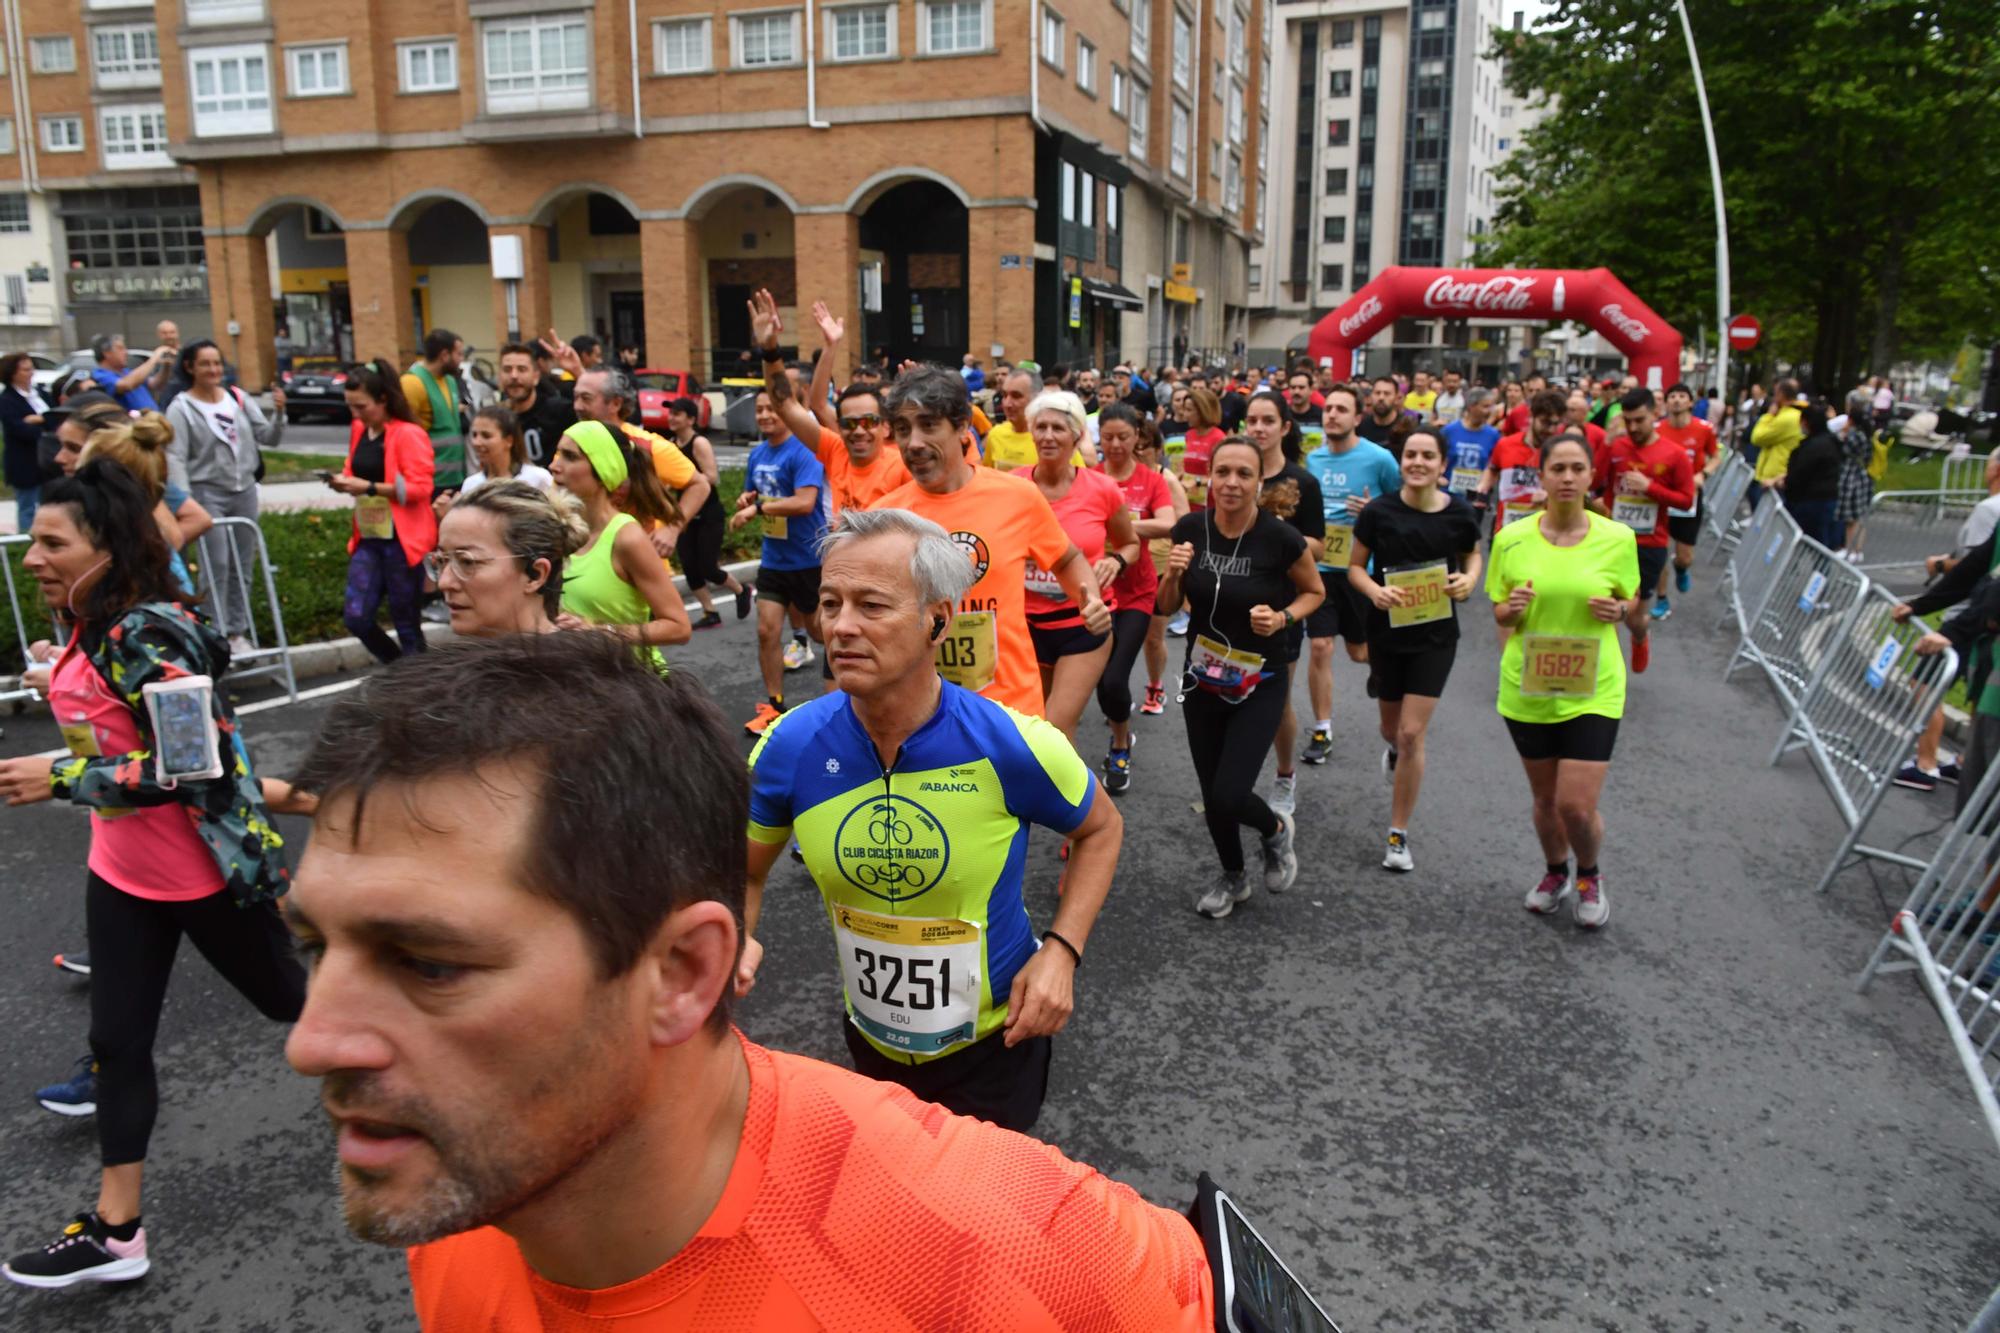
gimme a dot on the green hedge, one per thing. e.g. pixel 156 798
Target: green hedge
pixel 309 562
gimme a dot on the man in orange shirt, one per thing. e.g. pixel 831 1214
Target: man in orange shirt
pixel 602 395
pixel 1002 523
pixel 533 1077
pixel 860 467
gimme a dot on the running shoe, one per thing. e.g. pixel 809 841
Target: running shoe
pixel 1642 655
pixel 1284 795
pixel 1662 608
pixel 1221 900
pixel 1683 579
pixel 79 962
pixel 1156 701
pixel 1546 896
pixel 766 714
pixel 1591 908
pixel 240 645
pixel 1948 771
pixel 1117 771
pixel 798 653
pixel 1281 863
pixel 1319 748
pixel 1909 775
pixel 709 620
pixel 1398 857
pixel 1389 763
pixel 743 596
pixel 1178 625
pixel 86 1251
pixel 75 1095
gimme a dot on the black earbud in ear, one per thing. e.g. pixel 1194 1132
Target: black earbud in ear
pixel 937 626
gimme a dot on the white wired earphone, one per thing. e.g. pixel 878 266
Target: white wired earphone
pixel 1214 603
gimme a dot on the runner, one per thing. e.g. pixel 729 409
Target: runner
pixel 604 395
pixel 860 463
pixel 1384 410
pixel 1003 525
pixel 1091 508
pixel 1422 546
pixel 701 545
pixel 1468 446
pixel 1449 404
pixel 1152 452
pixel 1351 472
pixel 731 1186
pixel 1150 504
pixel 1560 583
pixel 1204 434
pixel 389 471
pixel 1697 438
pixel 1650 476
pixel 500 557
pixel 1011 444
pixel 617 580
pixel 783 485
pixel 499 453
pixel 196 856
pixel 1300 396
pixel 1513 481
pixel 544 415
pixel 1248 580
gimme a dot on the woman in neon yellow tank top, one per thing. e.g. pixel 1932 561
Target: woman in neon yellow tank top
pixel 618 581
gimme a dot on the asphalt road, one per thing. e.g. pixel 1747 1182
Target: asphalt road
pixel 1447 1113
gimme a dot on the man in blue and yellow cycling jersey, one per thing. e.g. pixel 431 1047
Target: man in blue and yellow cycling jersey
pixel 911 798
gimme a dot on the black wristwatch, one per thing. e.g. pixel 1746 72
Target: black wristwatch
pixel 1290 619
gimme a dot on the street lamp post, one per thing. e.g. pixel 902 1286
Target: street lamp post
pixel 1721 217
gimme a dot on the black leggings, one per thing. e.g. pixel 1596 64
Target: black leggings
pixel 1114 687
pixel 1228 743
pixel 132 947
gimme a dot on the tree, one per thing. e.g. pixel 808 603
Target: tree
pixel 1863 201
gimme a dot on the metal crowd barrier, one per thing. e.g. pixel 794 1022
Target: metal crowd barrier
pixel 224 576
pixel 1812 601
pixel 1720 499
pixel 1963 474
pixel 1948 933
pixel 1859 717
pixel 11 689
pixel 1902 527
pixel 1759 559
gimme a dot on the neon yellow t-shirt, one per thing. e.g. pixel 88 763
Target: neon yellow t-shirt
pixel 1605 563
pixel 1007 449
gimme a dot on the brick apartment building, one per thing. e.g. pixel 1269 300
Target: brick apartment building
pixel 1070 180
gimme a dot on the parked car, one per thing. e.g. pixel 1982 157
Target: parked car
pixel 657 388
pixel 48 369
pixel 315 388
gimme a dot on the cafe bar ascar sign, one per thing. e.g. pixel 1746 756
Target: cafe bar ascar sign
pixel 119 286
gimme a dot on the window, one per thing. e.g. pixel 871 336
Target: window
pixel 1360 276
pixel 1430 71
pixel 1424 175
pixel 1215 159
pixel 1430 20
pixel 1371 29
pixel 1336 180
pixel 1054 37
pixel 1364 176
pixel 62 134
pixel 1343 33
pixel 1236 127
pixel 1506 110
pixel 1336 133
pixel 1142 31
pixel 52 55
pixel 1368 127
pixel 1427 125
pixel 1111 202
pixel 1138 124
pixel 1256 275
pixel 1333 230
pixel 1183 50
pixel 1239 50
pixel 126 56
pixel 133 137
pixel 1177 142
pixel 1364 227
pixel 13 207
pixel 133 227
pixel 17 294
pixel 1340 83
pixel 6 146
pixel 1086 66
pixel 1117 90
pixel 953 26
pixel 1329 277
pixel 316 71
pixel 681 46
pixel 225 11
pixel 763 40
pixel 1500 145
pixel 861 32
pixel 1087 195
pixel 428 66
pixel 1371 75
pixel 537 63
pixel 1232 183
pixel 1423 226
pixel 232 89
pixel 1069 192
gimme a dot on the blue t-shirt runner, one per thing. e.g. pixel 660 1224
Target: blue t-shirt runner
pixel 1364 470
pixel 776 472
pixel 1466 451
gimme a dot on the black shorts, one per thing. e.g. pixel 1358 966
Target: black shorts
pixel 700 549
pixel 1052 645
pixel 1587 738
pixel 985 1080
pixel 1686 531
pixel 796 588
pixel 1342 615
pixel 1397 674
pixel 1652 560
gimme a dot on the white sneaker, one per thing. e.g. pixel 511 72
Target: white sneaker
pixel 1591 908
pixel 1281 863
pixel 1221 900
pixel 1546 896
pixel 1284 795
pixel 797 655
pixel 1398 857
pixel 240 645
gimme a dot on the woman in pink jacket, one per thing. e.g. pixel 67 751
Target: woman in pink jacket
pixel 389 469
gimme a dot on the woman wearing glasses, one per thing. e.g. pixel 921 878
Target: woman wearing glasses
pixel 500 557
pixel 616 581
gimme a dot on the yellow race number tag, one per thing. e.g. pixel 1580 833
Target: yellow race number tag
pixel 1424 586
pixel 1554 666
pixel 966 656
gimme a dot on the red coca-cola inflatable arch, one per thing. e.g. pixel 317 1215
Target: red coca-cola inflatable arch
pixel 1491 295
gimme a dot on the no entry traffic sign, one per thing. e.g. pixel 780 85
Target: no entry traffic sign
pixel 1744 331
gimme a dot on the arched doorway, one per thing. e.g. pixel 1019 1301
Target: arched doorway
pixel 313 318
pixel 913 266
pixel 451 279
pixel 595 281
pixel 747 240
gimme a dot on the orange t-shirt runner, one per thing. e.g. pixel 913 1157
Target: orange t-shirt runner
pixel 1003 523
pixel 852 1205
pixel 851 487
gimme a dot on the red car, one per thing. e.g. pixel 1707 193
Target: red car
pixel 657 388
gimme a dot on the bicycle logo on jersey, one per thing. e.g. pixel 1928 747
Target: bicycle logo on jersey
pixel 892 848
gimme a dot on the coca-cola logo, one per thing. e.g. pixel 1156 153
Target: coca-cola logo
pixel 1503 293
pixel 1366 311
pixel 1614 314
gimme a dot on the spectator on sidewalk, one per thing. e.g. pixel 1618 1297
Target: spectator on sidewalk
pixel 166 336
pixel 124 382
pixel 23 413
